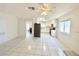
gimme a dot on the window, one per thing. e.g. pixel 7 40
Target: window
pixel 64 26
pixel 67 27
pixel 61 26
pixel 43 25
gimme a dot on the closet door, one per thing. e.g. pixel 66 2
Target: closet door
pixel 2 30
pixel 36 30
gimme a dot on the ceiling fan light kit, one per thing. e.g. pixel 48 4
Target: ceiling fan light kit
pixel 43 8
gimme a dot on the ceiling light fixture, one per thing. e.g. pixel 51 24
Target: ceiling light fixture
pixel 44 8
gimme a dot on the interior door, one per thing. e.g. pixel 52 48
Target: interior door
pixel 2 30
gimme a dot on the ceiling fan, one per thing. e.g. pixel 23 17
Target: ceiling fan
pixel 43 8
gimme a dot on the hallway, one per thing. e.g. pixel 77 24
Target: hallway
pixel 59 19
pixel 43 46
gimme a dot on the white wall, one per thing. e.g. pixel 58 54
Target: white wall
pixel 21 28
pixel 70 41
pixel 10 25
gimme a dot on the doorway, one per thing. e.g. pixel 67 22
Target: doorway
pixel 28 28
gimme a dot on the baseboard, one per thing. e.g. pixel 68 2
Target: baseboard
pixel 71 53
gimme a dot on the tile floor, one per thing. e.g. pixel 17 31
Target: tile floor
pixel 32 46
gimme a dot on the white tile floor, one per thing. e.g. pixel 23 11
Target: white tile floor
pixel 32 46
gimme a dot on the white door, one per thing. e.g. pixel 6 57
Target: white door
pixel 2 30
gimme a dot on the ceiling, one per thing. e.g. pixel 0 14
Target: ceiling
pixel 21 9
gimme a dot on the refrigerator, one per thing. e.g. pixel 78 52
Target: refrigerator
pixel 37 30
